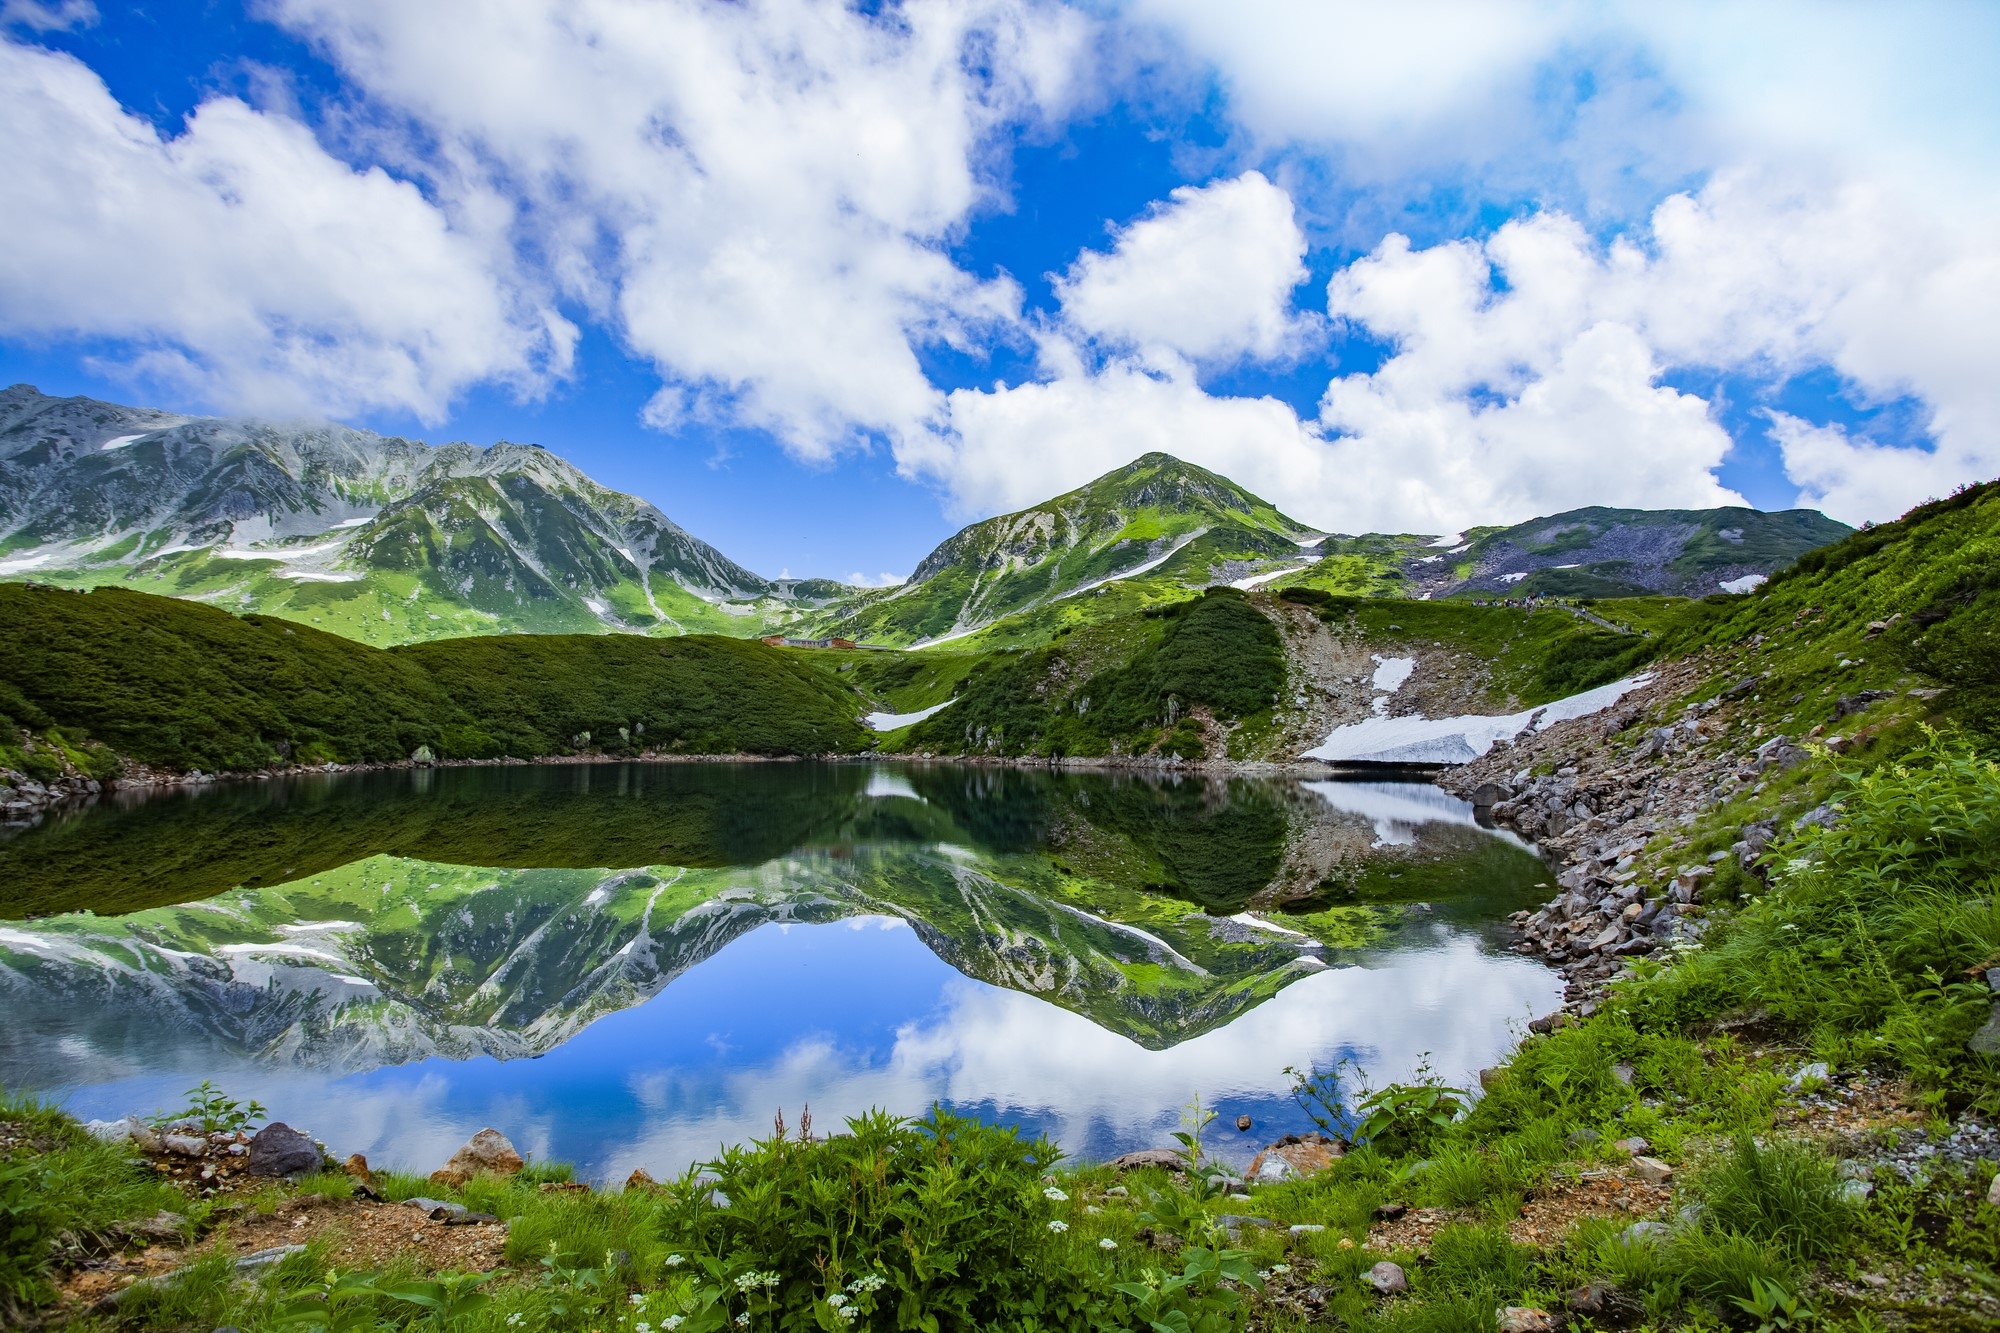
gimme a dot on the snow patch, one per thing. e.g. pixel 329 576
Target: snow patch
pixel 1310 539
pixel 124 441
pixel 1452 540
pixel 317 576
pixel 1455 740
pixel 892 721
pixel 1143 567
pixel 1744 584
pixel 1258 580
pixel 1391 672
pixel 1512 578
pixel 1259 923
pixel 16 566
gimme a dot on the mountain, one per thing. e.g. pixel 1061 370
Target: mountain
pixel 379 538
pixel 391 541
pixel 1624 553
pixel 1181 525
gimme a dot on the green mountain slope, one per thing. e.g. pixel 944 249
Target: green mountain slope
pixel 169 682
pixel 381 539
pixel 1174 524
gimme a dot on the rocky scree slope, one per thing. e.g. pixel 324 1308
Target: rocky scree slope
pixel 379 537
pixel 1674 804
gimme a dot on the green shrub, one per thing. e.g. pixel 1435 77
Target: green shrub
pixel 1786 1195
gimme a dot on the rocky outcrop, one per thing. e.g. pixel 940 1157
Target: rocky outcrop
pixel 22 798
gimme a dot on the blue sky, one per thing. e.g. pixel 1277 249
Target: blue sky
pixel 824 283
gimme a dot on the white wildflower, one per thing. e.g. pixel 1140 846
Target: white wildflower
pixel 1107 1244
pixel 850 1314
pixel 743 1320
pixel 643 1327
pixel 1059 1226
pixel 675 1261
pixel 836 1300
pixel 637 1298
pixel 1055 1195
pixel 672 1322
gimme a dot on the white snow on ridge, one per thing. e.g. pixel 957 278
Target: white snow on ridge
pixel 1392 672
pixel 1143 567
pixel 16 566
pixel 1257 580
pixel 1451 540
pixel 1512 578
pixel 1455 740
pixel 317 576
pixel 892 721
pixel 1744 584
pixel 124 440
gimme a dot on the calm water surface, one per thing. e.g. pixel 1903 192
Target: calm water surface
pixel 630 965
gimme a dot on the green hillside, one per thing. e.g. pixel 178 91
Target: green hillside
pixel 174 683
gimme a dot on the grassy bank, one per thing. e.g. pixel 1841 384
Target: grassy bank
pixel 180 685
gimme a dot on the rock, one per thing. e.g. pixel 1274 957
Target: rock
pixel 1389 1212
pixel 1603 1303
pixel 1644 1233
pixel 1145 1157
pixel 422 756
pixel 1624 1073
pixel 641 1179
pixel 1815 1073
pixel 1633 1147
pixel 1294 1156
pixel 357 1166
pixel 1387 1279
pixel 1548 1023
pixel 1856 1192
pixel 251 1264
pixel 1305 1228
pixel 1582 1138
pixel 1652 1170
pixel 279 1150
pixel 1490 1077
pixel 487 1153
pixel 1118 1192
pixel 1525 1319
pixel 162 1225
pixel 1242 1123
pixel 1233 1223
pixel 1986 1041
pixel 439 1210
pixel 131 1130
pixel 1820 816
pixel 1993 1191
pixel 184 1145
pixel 1488 794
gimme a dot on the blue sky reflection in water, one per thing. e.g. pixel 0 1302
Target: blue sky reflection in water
pixel 820 977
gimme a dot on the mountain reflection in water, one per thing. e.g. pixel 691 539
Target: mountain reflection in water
pixel 689 947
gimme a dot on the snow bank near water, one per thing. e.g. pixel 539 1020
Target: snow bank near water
pixel 891 721
pixel 1456 740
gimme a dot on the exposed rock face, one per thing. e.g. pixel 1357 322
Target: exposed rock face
pixel 279 1150
pixel 487 1153
pixel 1144 1157
pixel 1387 1279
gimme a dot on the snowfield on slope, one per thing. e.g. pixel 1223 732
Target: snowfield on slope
pixel 1455 740
pixel 891 721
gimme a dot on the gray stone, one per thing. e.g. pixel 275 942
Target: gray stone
pixel 1993 1191
pixel 1387 1279
pixel 1144 1157
pixel 1816 1072
pixel 251 1264
pixel 279 1150
pixel 1624 1073
pixel 1986 1041
pixel 1583 1138
pixel 1305 1228
pixel 1634 1146
pixel 1645 1233
pixel 185 1145
pixel 1525 1319
pixel 1652 1170
pixel 439 1210
pixel 1856 1191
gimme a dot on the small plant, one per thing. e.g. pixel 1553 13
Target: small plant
pixel 23 1231
pixel 212 1111
pixel 1321 1095
pixel 1201 1298
pixel 1405 1117
pixel 1194 1119
pixel 1772 1307
pixel 1786 1194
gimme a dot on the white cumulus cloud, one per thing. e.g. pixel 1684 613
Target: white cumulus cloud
pixel 1208 275
pixel 760 197
pixel 242 260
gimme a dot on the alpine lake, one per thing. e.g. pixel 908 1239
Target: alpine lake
pixel 630 965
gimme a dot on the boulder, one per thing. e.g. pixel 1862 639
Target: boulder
pixel 130 1130
pixel 1993 1191
pixel 1387 1279
pixel 1652 1170
pixel 1647 1232
pixel 641 1179
pixel 1986 1041
pixel 184 1145
pixel 1295 1156
pixel 487 1153
pixel 1814 1074
pixel 1525 1319
pixel 422 756
pixel 1602 1303
pixel 1633 1147
pixel 1389 1212
pixel 1243 1123
pixel 1145 1157
pixel 279 1150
